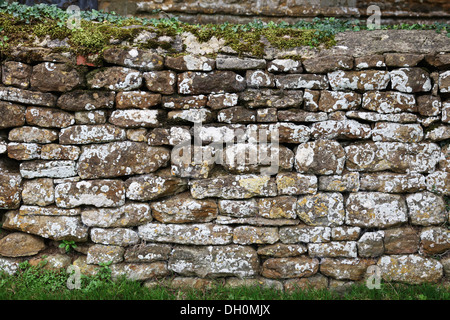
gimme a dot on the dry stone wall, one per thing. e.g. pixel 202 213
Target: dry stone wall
pixel 104 156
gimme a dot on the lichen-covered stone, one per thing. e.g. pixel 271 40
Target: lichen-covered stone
pixel 439 133
pixel 235 63
pixel 435 240
pixel 18 244
pixel 340 129
pixel 50 210
pixel 401 240
pixel 97 193
pixel 385 131
pixel 392 182
pixel 131 214
pixel 139 271
pixel 48 169
pixel 60 152
pixel 410 80
pixel 296 115
pixel 389 102
pixel 371 244
pixel 48 117
pixel 345 233
pixel 16 74
pixel 214 261
pixel 320 157
pixel 259 79
pixel 114 236
pixel 57 228
pixel 149 187
pixel 208 82
pixel 87 134
pixel 304 233
pixel 188 234
pixel 281 250
pixel 201 115
pixel 293 183
pixel 234 187
pixel 280 99
pixel 32 135
pixel 394 156
pixel 284 65
pixel 114 78
pixel 439 182
pixel 338 100
pixel 99 253
pixel 137 100
pixel 293 267
pixel 86 100
pixel 278 207
pixel 347 182
pixel 366 80
pixel 328 63
pixel 184 209
pixel 222 100
pixel 91 117
pixel 333 249
pixel 163 82
pixel 411 269
pixel 135 118
pixel 120 159
pixel 246 235
pixel 426 208
pixel 375 210
pixel 193 161
pixel 140 59
pixel 345 268
pixel 37 98
pixel 375 117
pixel 59 77
pixel 429 106
pixel 190 63
pixel 444 81
pixel 24 151
pixel 13 115
pixel 39 192
pixel 148 252
pixel 301 81
pixel 238 208
pixel 321 209
pixel 184 102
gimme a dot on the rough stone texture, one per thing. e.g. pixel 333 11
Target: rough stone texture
pixel 359 80
pixel 50 76
pixel 321 209
pixel 410 80
pixel 19 244
pixel 120 159
pixel 135 58
pixel 86 100
pixel 114 78
pixel 48 117
pixel 285 268
pixel 426 208
pixel 16 74
pixel 129 215
pixel 32 135
pixel 215 81
pixel 320 157
pixel 38 192
pixel 345 269
pixel 114 236
pixel 87 134
pixel 149 187
pixel 48 169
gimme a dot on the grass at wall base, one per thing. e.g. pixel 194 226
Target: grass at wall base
pixel 37 283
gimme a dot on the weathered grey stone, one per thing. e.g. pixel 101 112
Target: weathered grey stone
pixel 222 100
pixel 87 134
pixel 184 102
pixel 293 183
pixel 53 227
pixel 86 100
pixel 301 81
pixel 114 236
pixel 320 157
pixel 163 82
pixel 284 65
pixel 114 78
pixel 347 182
pixel 50 76
pixel 256 221
pixel 246 235
pixel 371 244
pixel 426 208
pixel 234 187
pixel 99 253
pixel 322 209
pixel 208 82
pixel 385 131
pixel 375 210
pixel 297 115
pixel 10 185
pixel 91 117
pixel 119 159
pixel 50 210
pixel 345 269
pixel 392 182
pixel 38 192
pixel 184 209
pixel 366 80
pixel 394 156
pixel 284 268
pixel 444 81
pixel 410 80
pixel 139 271
pixel 144 60
pixel 48 169
pixel 435 240
pixel 236 115
pixel 201 115
pixel 394 59
pixel 32 135
pixel 439 133
pixel 193 234
pixel 16 74
pixel 375 117
pixel 439 182
pixel 18 244
pixel 369 62
pixel 304 233
pixel 412 269
pixel 169 136
pixel 129 215
pixel 338 100
pixel 328 63
pixel 97 193
pixel 193 161
pixel 214 261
